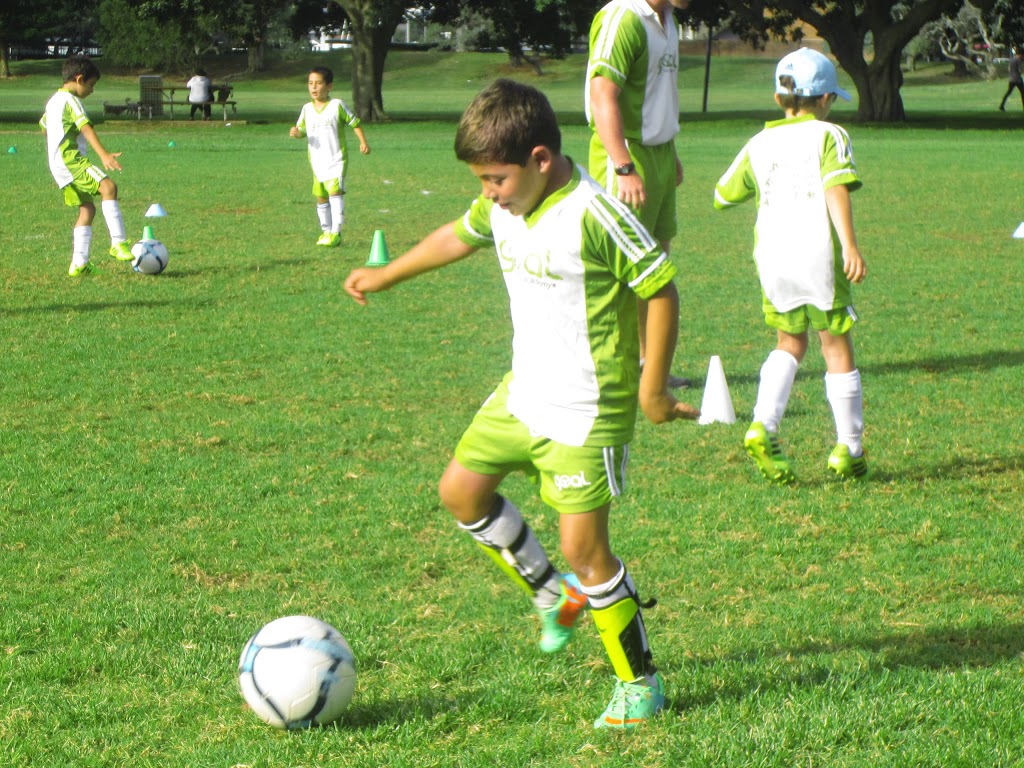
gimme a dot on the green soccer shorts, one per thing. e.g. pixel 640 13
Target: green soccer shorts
pixel 657 167
pixel 572 479
pixel 838 322
pixel 331 188
pixel 85 182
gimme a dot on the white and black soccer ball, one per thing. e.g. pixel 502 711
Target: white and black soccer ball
pixel 297 672
pixel 150 257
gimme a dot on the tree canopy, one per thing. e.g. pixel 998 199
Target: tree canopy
pixel 867 37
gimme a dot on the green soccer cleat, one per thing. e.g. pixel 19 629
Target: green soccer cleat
pixel 330 239
pixel 76 270
pixel 633 703
pixel 558 623
pixel 845 466
pixel 122 252
pixel 764 449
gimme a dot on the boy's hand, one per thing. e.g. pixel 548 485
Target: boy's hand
pixel 365 280
pixel 295 133
pixel 109 161
pixel 663 407
pixel 364 148
pixel 853 265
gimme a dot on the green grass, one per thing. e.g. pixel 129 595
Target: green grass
pixel 185 457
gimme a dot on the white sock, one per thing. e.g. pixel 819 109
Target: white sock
pixel 323 212
pixel 112 215
pixel 337 203
pixel 777 375
pixel 81 238
pixel 619 587
pixel 846 396
pixel 504 531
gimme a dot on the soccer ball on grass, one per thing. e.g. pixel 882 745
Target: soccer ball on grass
pixel 296 672
pixel 150 257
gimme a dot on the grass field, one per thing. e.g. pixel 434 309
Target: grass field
pixel 185 457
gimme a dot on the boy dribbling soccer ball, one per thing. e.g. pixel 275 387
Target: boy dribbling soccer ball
pixel 574 260
pixel 69 134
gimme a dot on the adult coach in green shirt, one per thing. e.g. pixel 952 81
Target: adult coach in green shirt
pixel 632 104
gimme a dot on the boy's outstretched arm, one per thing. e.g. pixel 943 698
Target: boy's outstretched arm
pixel 109 159
pixel 439 248
pixel 656 401
pixel 840 210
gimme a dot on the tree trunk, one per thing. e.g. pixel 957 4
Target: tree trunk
pixel 880 100
pixel 373 24
pixel 256 56
pixel 5 60
pixel 368 103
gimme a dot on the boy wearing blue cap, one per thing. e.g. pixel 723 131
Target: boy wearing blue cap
pixel 800 172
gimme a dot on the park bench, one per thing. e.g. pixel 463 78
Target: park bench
pixel 223 101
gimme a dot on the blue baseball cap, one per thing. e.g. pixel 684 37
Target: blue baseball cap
pixel 813 73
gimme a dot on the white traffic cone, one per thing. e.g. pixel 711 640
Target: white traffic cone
pixel 717 403
pixel 155 211
pixel 1018 233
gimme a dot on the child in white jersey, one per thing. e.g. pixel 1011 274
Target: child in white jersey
pixel 574 259
pixel 800 170
pixel 69 134
pixel 322 123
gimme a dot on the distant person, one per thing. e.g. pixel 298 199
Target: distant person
pixel 1016 82
pixel 322 123
pixel 573 260
pixel 69 134
pixel 800 170
pixel 200 94
pixel 632 105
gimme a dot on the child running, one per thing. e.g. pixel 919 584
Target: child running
pixel 574 260
pixel 69 134
pixel 800 171
pixel 322 123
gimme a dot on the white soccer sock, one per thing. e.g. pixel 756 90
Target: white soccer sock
pixel 337 203
pixel 112 215
pixel 846 396
pixel 323 212
pixel 618 588
pixel 777 375
pixel 505 531
pixel 81 238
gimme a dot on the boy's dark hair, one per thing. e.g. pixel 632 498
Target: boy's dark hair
pixel 794 101
pixel 325 72
pixel 80 65
pixel 201 72
pixel 504 123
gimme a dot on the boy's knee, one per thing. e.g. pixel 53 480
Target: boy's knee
pixel 108 189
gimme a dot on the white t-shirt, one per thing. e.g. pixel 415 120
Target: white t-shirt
pixel 573 269
pixel 199 89
pixel 786 168
pixel 325 135
pixel 63 120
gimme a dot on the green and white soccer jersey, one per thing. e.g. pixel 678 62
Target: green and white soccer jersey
pixel 786 168
pixel 571 269
pixel 63 120
pixel 325 136
pixel 630 46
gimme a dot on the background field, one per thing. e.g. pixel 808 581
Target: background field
pixel 183 458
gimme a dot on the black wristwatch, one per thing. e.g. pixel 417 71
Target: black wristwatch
pixel 625 169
